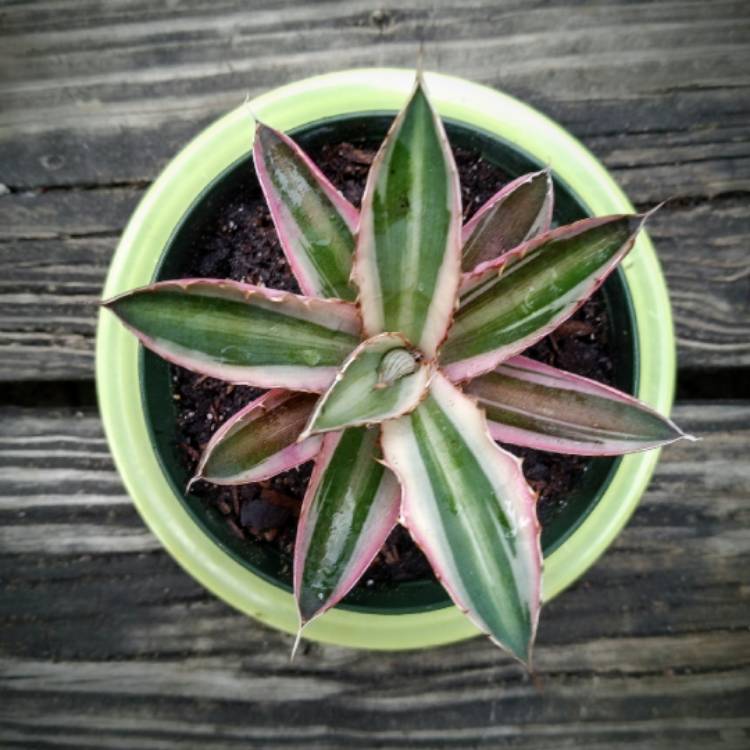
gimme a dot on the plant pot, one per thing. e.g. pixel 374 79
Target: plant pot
pixel 133 385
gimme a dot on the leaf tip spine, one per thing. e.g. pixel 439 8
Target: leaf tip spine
pixel 306 433
pixel 257 120
pixel 419 74
pixel 297 640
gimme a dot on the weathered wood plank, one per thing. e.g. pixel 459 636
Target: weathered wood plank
pixel 134 106
pixel 108 648
pixel 60 214
pixel 703 250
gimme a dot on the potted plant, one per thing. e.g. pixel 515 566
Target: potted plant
pixel 406 322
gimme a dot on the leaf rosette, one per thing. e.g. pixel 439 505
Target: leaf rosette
pixel 401 365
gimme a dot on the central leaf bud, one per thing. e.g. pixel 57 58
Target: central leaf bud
pixel 396 364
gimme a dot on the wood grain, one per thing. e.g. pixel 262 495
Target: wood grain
pixel 94 107
pixel 109 645
pixel 106 643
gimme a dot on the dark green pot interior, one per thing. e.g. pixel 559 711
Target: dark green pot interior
pixel 265 560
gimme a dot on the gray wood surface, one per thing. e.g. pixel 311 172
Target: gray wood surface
pixel 106 643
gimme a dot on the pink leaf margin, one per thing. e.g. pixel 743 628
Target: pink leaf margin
pixel 425 370
pixel 466 369
pixel 364 269
pixel 295 454
pixel 278 212
pixel 336 314
pixel 546 218
pixel 375 534
pixel 548 375
pixel 455 403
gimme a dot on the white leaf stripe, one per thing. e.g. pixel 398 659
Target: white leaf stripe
pixel 516 213
pixel 357 397
pixel 350 507
pixel 512 302
pixel 260 441
pixel 533 404
pixel 315 224
pixel 467 505
pixel 407 262
pixel 242 333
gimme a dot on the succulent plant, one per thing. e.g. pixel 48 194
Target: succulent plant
pixel 401 364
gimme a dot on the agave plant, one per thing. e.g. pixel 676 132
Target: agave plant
pixel 400 365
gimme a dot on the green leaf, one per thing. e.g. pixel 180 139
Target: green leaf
pixel 532 404
pixel 382 379
pixel 467 505
pixel 241 333
pixel 350 507
pixel 261 440
pixel 516 213
pixel 407 262
pixel 314 222
pixel 509 304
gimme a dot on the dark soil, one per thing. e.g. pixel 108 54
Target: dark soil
pixel 241 244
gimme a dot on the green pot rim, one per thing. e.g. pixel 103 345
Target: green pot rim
pixel 173 193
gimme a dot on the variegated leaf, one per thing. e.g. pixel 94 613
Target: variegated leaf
pixel 407 261
pixel 532 404
pixel 516 213
pixel 260 440
pixel 382 379
pixel 467 505
pixel 350 507
pixel 510 303
pixel 242 333
pixel 314 222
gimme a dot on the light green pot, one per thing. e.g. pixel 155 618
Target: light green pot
pixel 119 375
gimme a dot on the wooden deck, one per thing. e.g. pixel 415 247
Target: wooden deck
pixel 106 643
